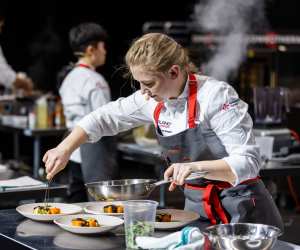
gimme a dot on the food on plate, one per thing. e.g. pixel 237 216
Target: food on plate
pixel 113 209
pixel 139 228
pixel 46 210
pixel 163 217
pixel 88 222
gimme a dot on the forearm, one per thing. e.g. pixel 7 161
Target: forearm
pixel 217 170
pixel 77 137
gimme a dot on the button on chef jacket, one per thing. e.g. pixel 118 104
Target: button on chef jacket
pixel 82 91
pixel 218 108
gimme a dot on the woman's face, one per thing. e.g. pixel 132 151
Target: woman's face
pixel 157 85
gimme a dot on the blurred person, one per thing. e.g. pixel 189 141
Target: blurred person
pixel 8 77
pixel 82 91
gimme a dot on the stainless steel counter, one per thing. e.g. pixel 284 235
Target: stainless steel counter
pixel 17 232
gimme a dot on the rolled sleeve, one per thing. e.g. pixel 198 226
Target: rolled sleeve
pixel 229 119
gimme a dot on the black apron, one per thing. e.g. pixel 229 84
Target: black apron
pixel 215 201
pixel 98 160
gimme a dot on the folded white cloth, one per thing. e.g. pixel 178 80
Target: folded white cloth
pixel 24 181
pixel 189 238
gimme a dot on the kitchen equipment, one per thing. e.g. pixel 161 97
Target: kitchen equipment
pixel 283 139
pixel 129 189
pixel 242 236
pixel 139 218
pixel 269 103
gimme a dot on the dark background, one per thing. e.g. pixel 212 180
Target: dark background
pixel 35 36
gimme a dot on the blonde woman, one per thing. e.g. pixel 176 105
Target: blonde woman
pixel 201 124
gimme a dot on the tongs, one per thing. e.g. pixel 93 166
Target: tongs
pixel 47 193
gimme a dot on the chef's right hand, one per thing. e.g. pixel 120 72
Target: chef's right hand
pixel 55 160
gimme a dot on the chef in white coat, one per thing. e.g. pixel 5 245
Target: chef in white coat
pixel 82 91
pixel 200 122
pixel 8 77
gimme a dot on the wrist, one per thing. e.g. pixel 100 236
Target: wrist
pixel 198 167
pixel 65 148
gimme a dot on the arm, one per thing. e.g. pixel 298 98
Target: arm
pixel 233 126
pixel 109 119
pixel 217 170
pixel 10 79
pixel 57 158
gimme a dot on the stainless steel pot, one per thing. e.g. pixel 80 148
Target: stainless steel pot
pixel 128 189
pixel 242 236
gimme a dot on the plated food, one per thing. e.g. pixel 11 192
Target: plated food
pixel 49 212
pixel 114 208
pixel 174 218
pixel 85 224
pixel 88 222
pixel 47 209
pixel 163 217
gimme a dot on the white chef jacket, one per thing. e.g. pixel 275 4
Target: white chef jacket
pixel 82 91
pixel 7 74
pixel 219 108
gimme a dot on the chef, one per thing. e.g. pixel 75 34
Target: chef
pixel 201 124
pixel 82 91
pixel 8 77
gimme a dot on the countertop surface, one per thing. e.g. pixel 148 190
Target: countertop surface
pixel 38 235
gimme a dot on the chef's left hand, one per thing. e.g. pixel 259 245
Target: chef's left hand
pixel 179 172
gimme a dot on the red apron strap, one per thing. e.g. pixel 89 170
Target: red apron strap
pixel 83 65
pixel 212 203
pixel 211 200
pixel 157 110
pixel 192 101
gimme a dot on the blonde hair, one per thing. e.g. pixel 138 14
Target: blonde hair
pixel 157 52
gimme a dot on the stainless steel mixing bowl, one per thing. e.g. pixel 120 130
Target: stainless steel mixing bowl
pixel 242 236
pixel 127 189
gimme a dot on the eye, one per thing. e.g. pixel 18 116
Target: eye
pixel 148 84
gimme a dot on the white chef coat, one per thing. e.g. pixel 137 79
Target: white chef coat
pixel 82 91
pixel 219 108
pixel 7 74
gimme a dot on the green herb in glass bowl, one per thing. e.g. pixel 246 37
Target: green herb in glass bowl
pixel 139 228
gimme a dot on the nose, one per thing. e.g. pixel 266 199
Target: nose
pixel 146 91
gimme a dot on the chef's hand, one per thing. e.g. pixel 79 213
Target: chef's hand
pixel 179 172
pixel 55 160
pixel 22 81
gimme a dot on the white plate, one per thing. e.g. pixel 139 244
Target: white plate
pixel 107 223
pixel 97 208
pixel 65 209
pixel 179 218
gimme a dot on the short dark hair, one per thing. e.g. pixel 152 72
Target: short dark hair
pixel 86 34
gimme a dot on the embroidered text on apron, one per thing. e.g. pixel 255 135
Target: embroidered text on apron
pixel 214 200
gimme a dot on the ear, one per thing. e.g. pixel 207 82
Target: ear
pixel 89 50
pixel 173 72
